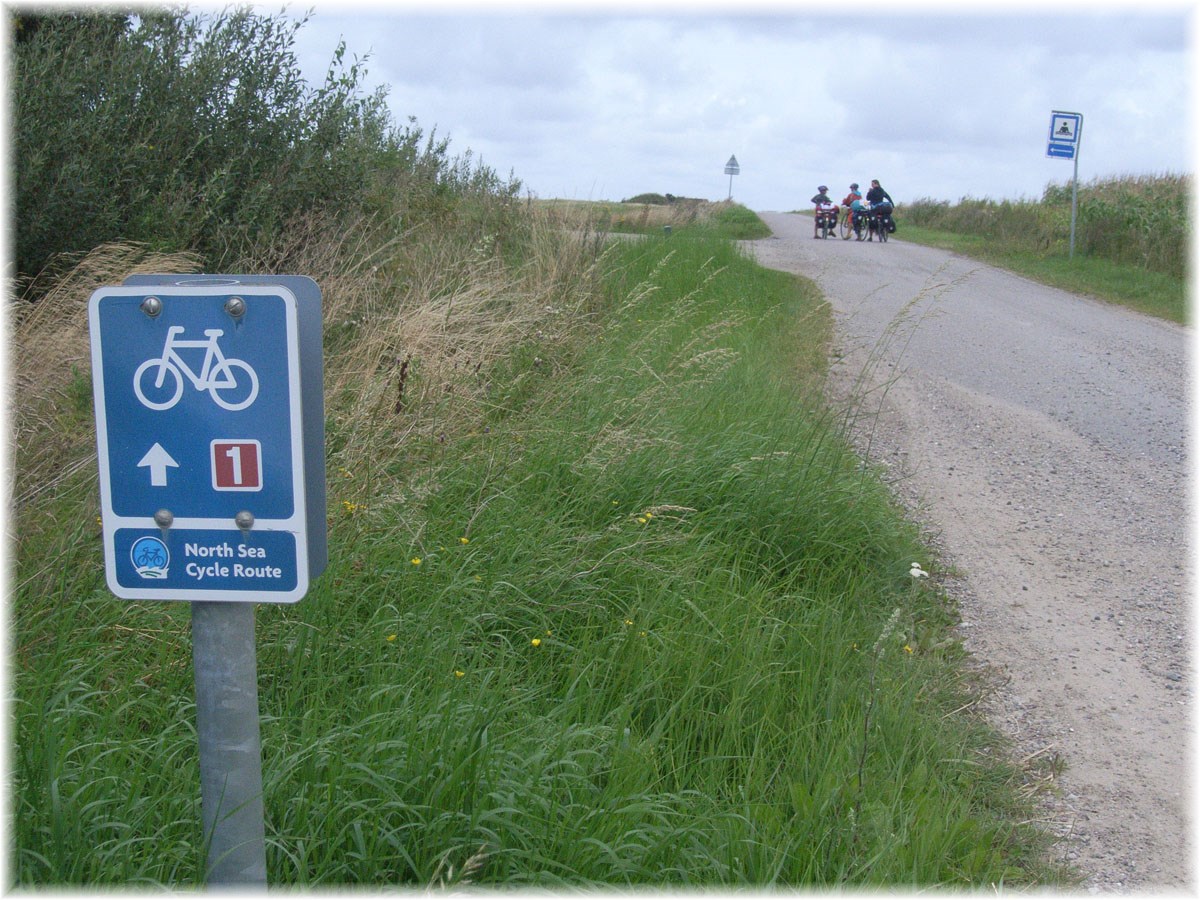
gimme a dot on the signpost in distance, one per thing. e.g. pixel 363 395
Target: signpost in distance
pixel 1066 137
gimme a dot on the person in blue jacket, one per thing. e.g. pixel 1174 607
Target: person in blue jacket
pixel 853 201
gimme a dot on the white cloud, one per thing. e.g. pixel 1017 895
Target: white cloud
pixel 605 106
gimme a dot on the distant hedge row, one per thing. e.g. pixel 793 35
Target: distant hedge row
pixel 662 199
pixel 199 132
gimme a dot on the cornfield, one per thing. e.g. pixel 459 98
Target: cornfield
pixel 1132 220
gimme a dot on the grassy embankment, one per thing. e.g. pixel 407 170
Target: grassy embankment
pixel 655 213
pixel 1131 245
pixel 610 601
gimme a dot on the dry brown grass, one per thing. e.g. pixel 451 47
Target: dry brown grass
pixel 418 328
pixel 638 217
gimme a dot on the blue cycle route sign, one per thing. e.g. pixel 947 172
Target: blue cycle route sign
pixel 209 437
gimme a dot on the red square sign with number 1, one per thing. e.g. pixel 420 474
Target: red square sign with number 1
pixel 236 465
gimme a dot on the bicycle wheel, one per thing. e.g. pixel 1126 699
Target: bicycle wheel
pixel 845 228
pixel 159 392
pixel 244 388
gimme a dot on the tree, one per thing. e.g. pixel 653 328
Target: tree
pixel 180 131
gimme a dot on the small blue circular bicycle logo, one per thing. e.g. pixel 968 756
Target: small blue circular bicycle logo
pixel 150 556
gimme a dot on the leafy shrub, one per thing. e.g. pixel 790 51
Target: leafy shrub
pixel 199 133
pixel 653 199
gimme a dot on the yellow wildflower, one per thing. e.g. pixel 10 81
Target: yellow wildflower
pixel 416 560
pixel 391 637
pixel 464 540
pixel 537 642
pixel 459 673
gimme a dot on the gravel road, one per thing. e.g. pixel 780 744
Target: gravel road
pixel 1041 437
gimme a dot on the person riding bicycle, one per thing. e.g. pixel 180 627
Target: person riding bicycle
pixel 882 204
pixel 853 200
pixel 825 207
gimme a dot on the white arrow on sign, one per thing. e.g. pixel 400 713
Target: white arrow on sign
pixel 158 460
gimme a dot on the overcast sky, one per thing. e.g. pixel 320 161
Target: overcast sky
pixel 602 103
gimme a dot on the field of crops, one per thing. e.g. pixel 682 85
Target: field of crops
pixel 1134 220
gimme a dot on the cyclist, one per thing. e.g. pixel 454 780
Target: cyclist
pixel 882 205
pixel 825 207
pixel 853 200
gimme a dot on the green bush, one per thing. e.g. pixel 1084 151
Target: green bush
pixel 654 199
pixel 199 133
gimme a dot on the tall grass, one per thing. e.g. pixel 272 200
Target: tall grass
pixel 1132 241
pixel 609 602
pixel 1134 220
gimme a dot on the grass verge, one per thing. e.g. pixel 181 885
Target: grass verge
pixel 1154 293
pixel 616 607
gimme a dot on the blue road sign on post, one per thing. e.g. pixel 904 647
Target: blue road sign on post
pixel 210 437
pixel 1065 128
pixel 1066 136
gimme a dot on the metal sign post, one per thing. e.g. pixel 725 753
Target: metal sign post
pixel 210 441
pixel 1066 134
pixel 732 168
pixel 227 733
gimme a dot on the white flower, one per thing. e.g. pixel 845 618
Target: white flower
pixel 917 572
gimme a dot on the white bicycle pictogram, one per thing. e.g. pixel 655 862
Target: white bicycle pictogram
pixel 217 374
